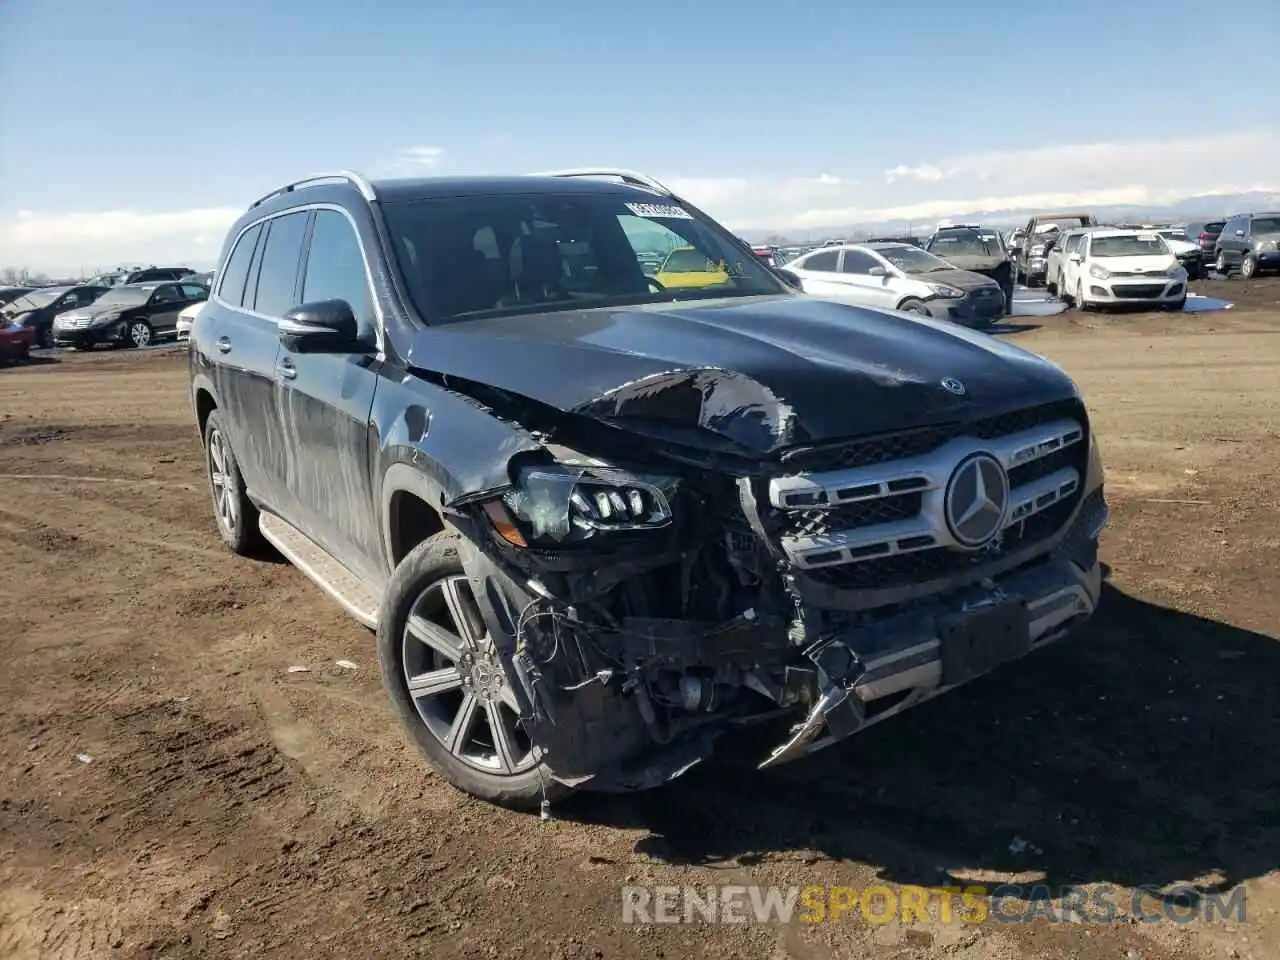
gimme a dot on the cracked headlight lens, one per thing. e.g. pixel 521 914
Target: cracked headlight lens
pixel 563 504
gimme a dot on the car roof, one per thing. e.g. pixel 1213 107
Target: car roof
pixel 1119 231
pixel 144 285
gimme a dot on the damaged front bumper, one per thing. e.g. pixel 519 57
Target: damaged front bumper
pixel 909 657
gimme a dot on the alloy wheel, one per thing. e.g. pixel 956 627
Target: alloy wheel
pixel 457 682
pixel 222 479
pixel 140 334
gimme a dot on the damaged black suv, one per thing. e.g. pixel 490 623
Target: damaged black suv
pixel 596 519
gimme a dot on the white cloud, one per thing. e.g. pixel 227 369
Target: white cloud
pixel 58 242
pixel 922 189
pixel 926 173
pixel 418 160
pixel 1134 172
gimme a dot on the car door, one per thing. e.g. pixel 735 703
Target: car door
pixel 819 273
pixel 163 307
pixel 1233 240
pixel 243 344
pixel 1076 247
pixel 325 402
pixel 872 291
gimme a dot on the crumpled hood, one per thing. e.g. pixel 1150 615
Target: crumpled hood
pixel 762 372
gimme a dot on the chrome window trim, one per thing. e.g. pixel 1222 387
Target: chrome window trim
pixel 379 318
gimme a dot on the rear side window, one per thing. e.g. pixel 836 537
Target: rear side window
pixel 278 276
pixel 824 262
pixel 231 289
pixel 335 266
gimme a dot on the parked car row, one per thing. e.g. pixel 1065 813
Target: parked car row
pixel 91 314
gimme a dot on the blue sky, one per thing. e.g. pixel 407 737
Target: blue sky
pixel 133 128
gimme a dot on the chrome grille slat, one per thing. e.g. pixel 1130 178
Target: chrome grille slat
pixel 820 510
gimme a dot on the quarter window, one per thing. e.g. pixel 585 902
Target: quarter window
pixel 231 288
pixel 278 276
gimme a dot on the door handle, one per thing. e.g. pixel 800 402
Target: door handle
pixel 224 344
pixel 286 369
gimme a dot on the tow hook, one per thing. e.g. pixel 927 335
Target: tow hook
pixel 838 709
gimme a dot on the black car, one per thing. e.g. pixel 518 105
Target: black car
pixel 150 274
pixel 37 309
pixel 131 314
pixel 977 249
pixel 596 522
pixel 9 294
pixel 1249 243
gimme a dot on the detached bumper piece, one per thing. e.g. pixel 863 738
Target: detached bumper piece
pixel 872 672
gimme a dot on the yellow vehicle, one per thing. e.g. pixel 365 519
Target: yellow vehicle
pixel 685 267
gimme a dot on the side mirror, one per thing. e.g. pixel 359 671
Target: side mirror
pixel 1076 258
pixel 790 278
pixel 877 272
pixel 328 326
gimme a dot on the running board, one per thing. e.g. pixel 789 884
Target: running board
pixel 355 596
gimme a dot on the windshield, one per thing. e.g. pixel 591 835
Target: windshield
pixel 913 259
pixel 1135 245
pixel 35 300
pixel 1266 225
pixel 492 255
pixel 1062 223
pixel 971 243
pixel 123 297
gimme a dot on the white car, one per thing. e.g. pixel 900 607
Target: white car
pixel 898 276
pixel 186 318
pixel 1123 266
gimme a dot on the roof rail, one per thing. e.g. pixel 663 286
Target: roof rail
pixel 626 176
pixel 348 176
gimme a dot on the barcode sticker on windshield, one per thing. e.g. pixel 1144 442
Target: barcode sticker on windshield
pixel 659 210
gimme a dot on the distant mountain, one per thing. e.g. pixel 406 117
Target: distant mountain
pixel 1207 205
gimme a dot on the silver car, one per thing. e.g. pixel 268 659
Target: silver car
pixel 898 276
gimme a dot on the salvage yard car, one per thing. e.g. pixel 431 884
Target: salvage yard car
pixel 596 525
pixel 977 249
pixel 1114 266
pixel 133 314
pixel 1249 243
pixel 1031 264
pixel 39 309
pixel 899 276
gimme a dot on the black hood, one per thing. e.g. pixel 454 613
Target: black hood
pixel 978 262
pixel 763 372
pixel 961 279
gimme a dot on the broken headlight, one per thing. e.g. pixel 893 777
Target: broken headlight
pixel 562 504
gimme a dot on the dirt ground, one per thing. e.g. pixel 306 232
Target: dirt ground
pixel 169 788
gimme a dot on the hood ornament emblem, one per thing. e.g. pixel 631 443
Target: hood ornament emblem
pixel 952 385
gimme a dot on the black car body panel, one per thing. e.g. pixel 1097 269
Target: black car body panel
pixel 741 360
pixel 110 322
pixel 41 319
pixel 711 402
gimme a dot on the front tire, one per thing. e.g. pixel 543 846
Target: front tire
pixel 44 337
pixel 1176 305
pixel 1248 267
pixel 1220 264
pixel 235 514
pixel 1081 302
pixel 914 306
pixel 448 686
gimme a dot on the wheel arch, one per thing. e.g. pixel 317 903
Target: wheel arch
pixel 412 510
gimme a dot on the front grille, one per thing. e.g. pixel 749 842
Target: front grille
pixel 1137 291
pixel 871 513
pixel 866 451
pixel 924 565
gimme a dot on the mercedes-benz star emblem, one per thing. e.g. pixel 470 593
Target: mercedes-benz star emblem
pixel 977 500
pixel 952 385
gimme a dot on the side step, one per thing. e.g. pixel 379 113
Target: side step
pixel 356 597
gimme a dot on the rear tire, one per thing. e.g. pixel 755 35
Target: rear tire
pixel 234 513
pixel 140 333
pixel 460 688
